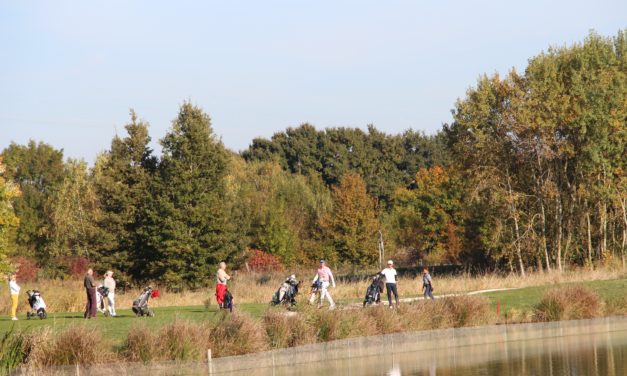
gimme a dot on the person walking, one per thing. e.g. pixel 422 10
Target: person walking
pixel 15 292
pixel 90 289
pixel 221 278
pixel 427 284
pixel 324 276
pixel 109 283
pixel 390 282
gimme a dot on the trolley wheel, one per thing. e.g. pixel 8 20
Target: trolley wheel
pixel 106 313
pixel 150 313
pixel 28 315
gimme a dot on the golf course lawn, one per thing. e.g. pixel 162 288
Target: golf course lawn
pixel 116 328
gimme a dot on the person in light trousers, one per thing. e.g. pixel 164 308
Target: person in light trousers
pixel 109 283
pixel 15 292
pixel 325 276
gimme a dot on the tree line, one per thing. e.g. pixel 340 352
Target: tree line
pixel 531 174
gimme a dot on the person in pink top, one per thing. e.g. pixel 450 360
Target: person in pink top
pixel 323 278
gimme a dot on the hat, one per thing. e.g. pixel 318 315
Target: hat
pixel 321 260
pixel 390 262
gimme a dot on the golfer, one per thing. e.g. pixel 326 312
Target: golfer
pixel 390 282
pixel 324 276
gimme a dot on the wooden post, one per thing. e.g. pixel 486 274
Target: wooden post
pixel 498 307
pixel 78 370
pixel 209 365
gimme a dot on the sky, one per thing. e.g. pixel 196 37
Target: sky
pixel 70 71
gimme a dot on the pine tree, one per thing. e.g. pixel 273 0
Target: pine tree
pixel 121 179
pixel 186 229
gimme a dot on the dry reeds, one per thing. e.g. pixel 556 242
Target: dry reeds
pixel 237 334
pixel 568 303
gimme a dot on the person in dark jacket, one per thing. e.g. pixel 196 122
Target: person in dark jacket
pixel 90 289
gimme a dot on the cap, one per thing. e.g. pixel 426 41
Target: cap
pixel 390 262
pixel 321 260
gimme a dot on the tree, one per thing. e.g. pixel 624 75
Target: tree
pixel 428 219
pixel 121 180
pixel 9 191
pixel 351 227
pixel 74 215
pixel 185 229
pixel 38 168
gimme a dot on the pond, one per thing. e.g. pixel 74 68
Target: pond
pixel 583 347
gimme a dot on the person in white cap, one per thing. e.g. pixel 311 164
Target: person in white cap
pixel 323 276
pixel 390 282
pixel 109 283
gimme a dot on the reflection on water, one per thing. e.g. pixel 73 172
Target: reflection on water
pixel 594 354
pixel 588 347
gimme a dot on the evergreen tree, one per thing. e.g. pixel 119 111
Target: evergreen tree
pixel 186 229
pixel 121 179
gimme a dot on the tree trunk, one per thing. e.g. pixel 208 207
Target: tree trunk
pixel 623 204
pixel 589 230
pixel 544 245
pixel 558 223
pixel 516 228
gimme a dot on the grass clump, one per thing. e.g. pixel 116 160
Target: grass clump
pixel 568 303
pixel 288 329
pixel 237 334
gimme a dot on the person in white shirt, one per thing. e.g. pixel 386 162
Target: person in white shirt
pixel 390 282
pixel 15 291
pixel 109 283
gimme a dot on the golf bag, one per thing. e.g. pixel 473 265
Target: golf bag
pixel 288 290
pixel 373 293
pixel 140 305
pixel 37 305
pixel 227 303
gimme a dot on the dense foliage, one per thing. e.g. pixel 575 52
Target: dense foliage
pixel 532 173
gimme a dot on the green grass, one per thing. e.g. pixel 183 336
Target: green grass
pixel 526 298
pixel 117 328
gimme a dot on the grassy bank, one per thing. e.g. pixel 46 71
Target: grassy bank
pixel 177 333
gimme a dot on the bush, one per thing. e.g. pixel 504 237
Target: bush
pixel 468 310
pixel 260 261
pixel 26 268
pixel 182 340
pixel 141 344
pixel 237 334
pixel 288 329
pixel 568 303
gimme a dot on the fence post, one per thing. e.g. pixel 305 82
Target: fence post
pixel 78 370
pixel 209 365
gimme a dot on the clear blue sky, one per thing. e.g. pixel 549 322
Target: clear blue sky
pixel 70 70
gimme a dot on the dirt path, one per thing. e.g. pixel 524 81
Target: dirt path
pixel 409 300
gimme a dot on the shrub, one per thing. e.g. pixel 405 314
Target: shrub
pixel 288 329
pixel 237 334
pixel 140 345
pixel 568 303
pixel 182 340
pixel 468 310
pixel 79 345
pixel 260 261
pixel 26 268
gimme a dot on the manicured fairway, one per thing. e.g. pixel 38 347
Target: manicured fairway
pixel 526 298
pixel 117 327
